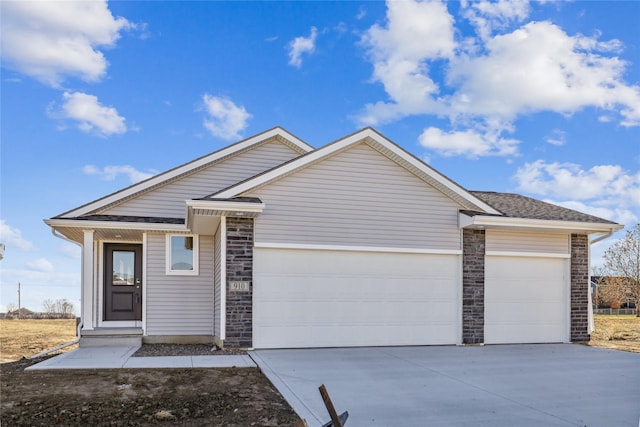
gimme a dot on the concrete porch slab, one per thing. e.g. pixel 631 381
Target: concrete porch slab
pixel 121 357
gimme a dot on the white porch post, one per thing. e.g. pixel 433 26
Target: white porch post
pixel 87 281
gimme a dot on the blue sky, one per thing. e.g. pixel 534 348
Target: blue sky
pixel 538 98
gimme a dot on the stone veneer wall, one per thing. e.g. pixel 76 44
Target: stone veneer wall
pixel 580 287
pixel 239 324
pixel 473 251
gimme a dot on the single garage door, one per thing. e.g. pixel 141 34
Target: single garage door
pixel 318 298
pixel 525 300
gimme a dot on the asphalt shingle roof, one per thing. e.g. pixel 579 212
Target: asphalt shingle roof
pixel 518 206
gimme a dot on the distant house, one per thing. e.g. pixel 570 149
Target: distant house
pixel 271 243
pixel 619 295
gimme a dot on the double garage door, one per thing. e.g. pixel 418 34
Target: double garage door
pixel 317 298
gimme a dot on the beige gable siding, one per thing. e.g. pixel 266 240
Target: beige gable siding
pixel 179 305
pixel 168 200
pixel 357 197
pixel 217 285
pixel 527 241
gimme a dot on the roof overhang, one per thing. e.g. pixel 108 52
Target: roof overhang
pixel 481 222
pixel 92 225
pixel 203 216
pixel 120 231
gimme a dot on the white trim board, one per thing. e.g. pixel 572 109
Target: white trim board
pixel 527 254
pixel 298 246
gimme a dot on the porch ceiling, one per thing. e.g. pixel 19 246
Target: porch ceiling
pixel 112 235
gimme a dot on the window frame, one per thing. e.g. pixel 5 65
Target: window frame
pixel 196 256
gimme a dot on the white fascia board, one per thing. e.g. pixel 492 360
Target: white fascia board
pixel 221 205
pixel 479 221
pixel 353 139
pixel 92 225
pixel 172 173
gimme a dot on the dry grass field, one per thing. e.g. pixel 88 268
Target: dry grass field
pixel 26 337
pixel 617 332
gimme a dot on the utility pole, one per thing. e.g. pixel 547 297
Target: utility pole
pixel 19 299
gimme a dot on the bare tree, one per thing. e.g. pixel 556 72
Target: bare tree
pixel 64 307
pixel 61 307
pixel 48 306
pixel 622 260
pixel 11 307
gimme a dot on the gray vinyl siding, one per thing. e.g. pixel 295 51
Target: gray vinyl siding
pixel 527 241
pixel 179 305
pixel 217 277
pixel 357 197
pixel 169 200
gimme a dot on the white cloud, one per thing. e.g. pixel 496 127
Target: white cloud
pixel 91 116
pixel 487 16
pixel 12 237
pixel 619 215
pixel 540 68
pixel 556 137
pixel 69 250
pixel 607 191
pixel 224 119
pixel 41 264
pixel 302 45
pixel 49 40
pixel 570 180
pixel 415 33
pixel 493 79
pixel 109 173
pixel 468 143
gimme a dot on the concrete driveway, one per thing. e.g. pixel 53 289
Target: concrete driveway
pixel 506 385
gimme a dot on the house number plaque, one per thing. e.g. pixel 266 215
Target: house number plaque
pixel 239 286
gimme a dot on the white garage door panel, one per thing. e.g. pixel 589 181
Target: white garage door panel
pixel 525 300
pixel 323 298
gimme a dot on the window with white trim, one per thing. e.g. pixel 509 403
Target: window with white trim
pixel 182 254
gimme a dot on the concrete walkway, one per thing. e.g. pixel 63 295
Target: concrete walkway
pixel 498 386
pixel 121 357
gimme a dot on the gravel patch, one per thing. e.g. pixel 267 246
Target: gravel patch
pixel 153 350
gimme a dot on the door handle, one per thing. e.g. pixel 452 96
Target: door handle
pixel 137 298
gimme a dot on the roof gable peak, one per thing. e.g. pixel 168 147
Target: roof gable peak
pixel 276 133
pixel 378 142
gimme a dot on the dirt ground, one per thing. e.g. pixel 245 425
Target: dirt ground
pixel 128 397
